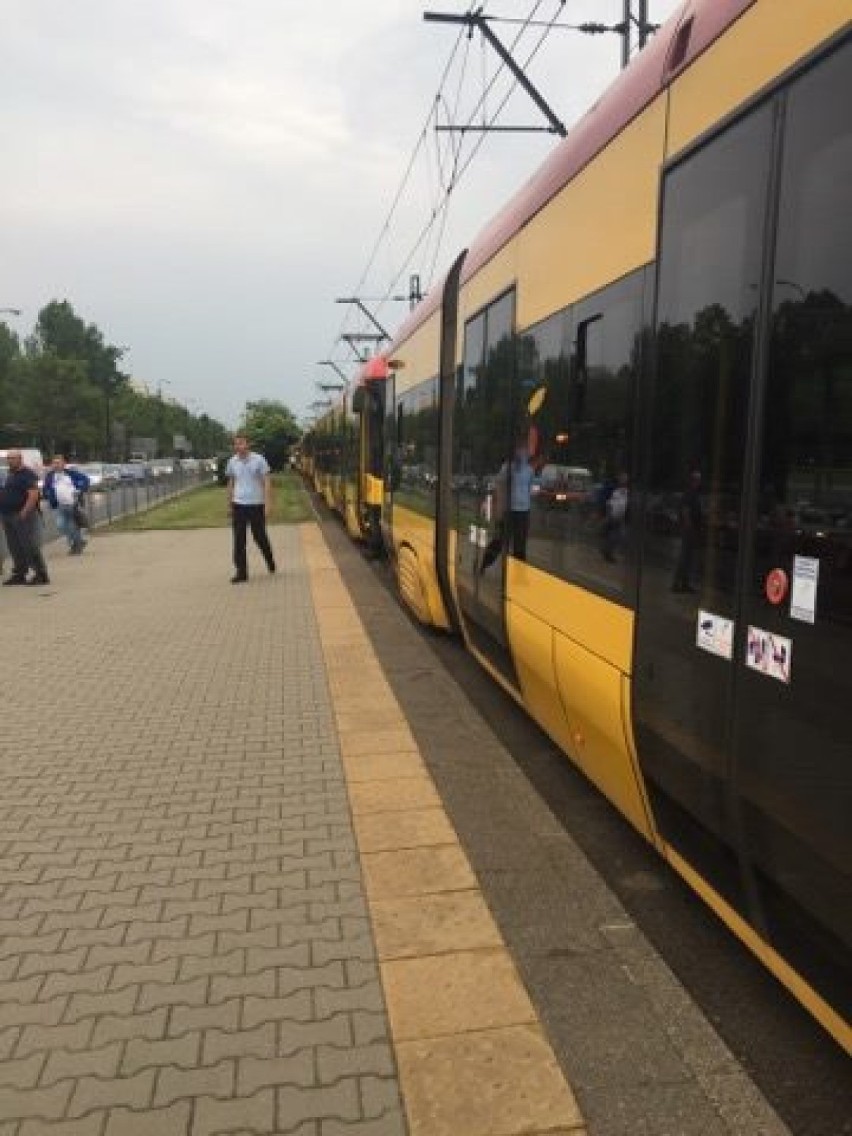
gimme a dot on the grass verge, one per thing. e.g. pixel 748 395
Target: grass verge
pixel 207 508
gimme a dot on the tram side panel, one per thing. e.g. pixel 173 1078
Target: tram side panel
pixel 741 689
pixel 411 494
pixel 752 344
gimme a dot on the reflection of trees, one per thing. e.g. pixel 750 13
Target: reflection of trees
pixel 809 403
pixel 703 382
pixel 586 418
pixel 700 399
pixel 484 410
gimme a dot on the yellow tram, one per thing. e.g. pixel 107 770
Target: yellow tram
pixel 613 450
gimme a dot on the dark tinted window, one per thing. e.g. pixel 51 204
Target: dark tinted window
pixel 806 480
pixel 417 448
pixel 795 740
pixel 578 376
pixel 712 240
pixel 483 398
pixel 711 260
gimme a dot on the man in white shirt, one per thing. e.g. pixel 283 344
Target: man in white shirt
pixel 63 488
pixel 249 500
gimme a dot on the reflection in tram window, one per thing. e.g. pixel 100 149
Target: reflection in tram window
pixel 711 253
pixel 793 749
pixel 417 448
pixel 582 364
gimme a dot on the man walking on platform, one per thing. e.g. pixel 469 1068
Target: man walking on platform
pixel 63 488
pixel 22 522
pixel 249 501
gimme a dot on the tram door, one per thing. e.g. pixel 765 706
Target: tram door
pixel 481 455
pixel 743 676
pixel 390 456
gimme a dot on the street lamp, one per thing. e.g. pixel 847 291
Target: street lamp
pixel 107 383
pixel 10 311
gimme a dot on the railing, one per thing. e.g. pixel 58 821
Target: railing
pixel 109 503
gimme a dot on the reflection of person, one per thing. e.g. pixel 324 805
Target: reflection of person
pixel 689 518
pixel 249 499
pixel 514 480
pixel 22 522
pixel 615 518
pixel 63 488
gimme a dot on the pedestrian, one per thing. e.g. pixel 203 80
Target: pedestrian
pixel 249 501
pixel 614 525
pixel 512 486
pixel 21 517
pixel 63 488
pixel 690 519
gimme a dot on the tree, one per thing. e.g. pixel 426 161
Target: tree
pixel 56 404
pixel 60 331
pixel 272 427
pixel 9 352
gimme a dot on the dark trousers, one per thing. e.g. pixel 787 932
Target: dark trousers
pixel 23 536
pixel 254 517
pixel 513 532
pixel 685 561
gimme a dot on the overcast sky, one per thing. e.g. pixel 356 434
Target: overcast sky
pixel 201 178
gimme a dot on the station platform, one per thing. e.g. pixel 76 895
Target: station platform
pixel 235 897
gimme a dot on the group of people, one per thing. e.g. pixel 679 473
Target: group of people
pixel 20 514
pixel 249 501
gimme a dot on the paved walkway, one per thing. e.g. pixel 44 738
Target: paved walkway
pixel 186 945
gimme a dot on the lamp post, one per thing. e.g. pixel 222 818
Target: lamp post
pixel 161 423
pixel 117 353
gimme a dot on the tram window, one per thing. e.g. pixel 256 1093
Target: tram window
pixel 581 435
pixel 418 425
pixel 712 244
pixel 372 421
pixel 806 479
pixel 481 428
pixel 794 767
pixel 712 254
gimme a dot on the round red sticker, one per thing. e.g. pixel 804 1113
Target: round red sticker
pixel 776 586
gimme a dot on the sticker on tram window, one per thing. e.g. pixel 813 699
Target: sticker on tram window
pixel 715 634
pixel 769 654
pixel 804 596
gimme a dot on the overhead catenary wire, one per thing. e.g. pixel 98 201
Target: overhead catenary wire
pixel 422 138
pixel 444 204
pixel 439 211
pixel 451 167
pixel 529 22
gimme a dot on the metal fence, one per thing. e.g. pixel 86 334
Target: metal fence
pixel 108 503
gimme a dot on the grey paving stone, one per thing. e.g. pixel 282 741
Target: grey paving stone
pixel 184 943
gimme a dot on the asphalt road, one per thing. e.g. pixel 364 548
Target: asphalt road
pixel 799 1069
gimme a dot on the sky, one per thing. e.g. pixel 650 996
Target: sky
pixel 202 179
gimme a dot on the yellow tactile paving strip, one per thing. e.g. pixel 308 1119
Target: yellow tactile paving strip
pixel 473 1057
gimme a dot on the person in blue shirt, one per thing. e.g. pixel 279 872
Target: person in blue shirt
pixel 249 501
pixel 514 480
pixel 63 488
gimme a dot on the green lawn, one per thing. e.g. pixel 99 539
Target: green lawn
pixel 207 508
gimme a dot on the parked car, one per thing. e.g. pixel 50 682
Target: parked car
pixel 560 486
pixel 101 475
pixel 134 471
